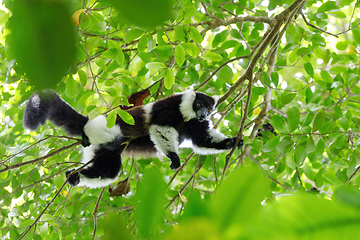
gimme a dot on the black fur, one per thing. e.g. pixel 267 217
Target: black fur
pixel 47 104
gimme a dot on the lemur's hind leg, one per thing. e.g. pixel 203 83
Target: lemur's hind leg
pixel 103 169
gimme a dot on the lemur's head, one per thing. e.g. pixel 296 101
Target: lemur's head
pixel 197 105
pixel 203 106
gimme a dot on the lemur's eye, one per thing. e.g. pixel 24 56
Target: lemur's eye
pixel 209 111
pixel 198 105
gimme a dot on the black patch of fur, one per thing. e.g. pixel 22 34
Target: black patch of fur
pixel 139 129
pixel 166 112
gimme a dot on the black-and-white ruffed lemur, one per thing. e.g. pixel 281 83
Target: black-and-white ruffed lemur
pixel 160 126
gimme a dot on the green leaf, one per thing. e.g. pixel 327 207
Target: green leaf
pixel 179 33
pixel 144 13
pixel 349 195
pixel 179 55
pixel 111 119
pixel 111 53
pixel 71 87
pixel 120 57
pixel 285 145
pixel 43 40
pixel 299 155
pixel 344 123
pixel 126 117
pixel 195 35
pixel 211 56
pixel 293 118
pixel 151 196
pixel 142 44
pixel 169 78
pixel 342 45
pixel 328 6
pixel 83 77
pixel 270 145
pixel 239 197
pixel 319 121
pixel 191 49
pixel 133 34
pixel 155 66
pixel 115 227
pixel 275 78
pixel 309 69
pixel 306 217
pixel 326 76
pixel 126 80
pixel 308 119
pixel 96 112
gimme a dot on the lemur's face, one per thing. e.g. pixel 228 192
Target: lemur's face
pixel 203 106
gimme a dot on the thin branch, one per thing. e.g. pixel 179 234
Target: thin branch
pixel 313 26
pixel 7 168
pixel 218 69
pixel 96 209
pixel 43 211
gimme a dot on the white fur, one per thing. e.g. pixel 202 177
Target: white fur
pixel 98 133
pixel 216 99
pixel 88 153
pixel 147 112
pixel 165 139
pixel 95 182
pixel 186 105
pixel 216 136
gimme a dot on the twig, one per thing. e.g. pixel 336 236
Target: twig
pixel 218 69
pixel 7 168
pixel 96 209
pixel 353 175
pixel 313 26
pixel 43 211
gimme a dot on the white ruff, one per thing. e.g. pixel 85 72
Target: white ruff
pixel 98 133
pixel 186 105
pixel 165 139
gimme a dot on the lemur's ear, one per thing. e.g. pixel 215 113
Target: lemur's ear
pixel 216 99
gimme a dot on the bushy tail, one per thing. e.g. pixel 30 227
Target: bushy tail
pixel 47 104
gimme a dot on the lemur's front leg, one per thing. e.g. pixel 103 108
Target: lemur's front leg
pixel 166 141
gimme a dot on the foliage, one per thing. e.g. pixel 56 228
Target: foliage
pixel 289 63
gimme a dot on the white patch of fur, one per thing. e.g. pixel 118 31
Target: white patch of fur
pixel 95 182
pixel 35 100
pixel 216 136
pixel 147 112
pixel 88 153
pixel 98 133
pixel 206 151
pixel 186 105
pixel 165 139
pixel 216 99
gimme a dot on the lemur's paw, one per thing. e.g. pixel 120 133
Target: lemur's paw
pixel 175 160
pixel 175 165
pixel 73 177
pixel 240 144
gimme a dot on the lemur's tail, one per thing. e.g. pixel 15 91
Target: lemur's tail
pixel 47 104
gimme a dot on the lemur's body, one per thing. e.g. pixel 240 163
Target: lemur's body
pixel 159 127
